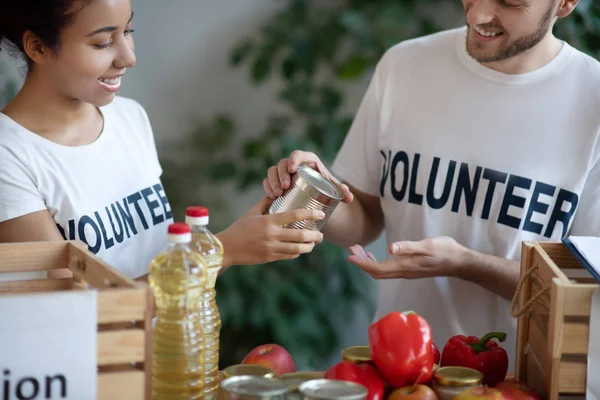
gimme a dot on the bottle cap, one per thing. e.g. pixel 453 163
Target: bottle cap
pixel 179 232
pixel 196 215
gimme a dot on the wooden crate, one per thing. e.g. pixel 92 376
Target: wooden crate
pixel 125 309
pixel 554 300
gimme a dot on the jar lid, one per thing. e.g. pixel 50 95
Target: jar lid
pixel 357 354
pixel 331 389
pixel 258 386
pixel 457 376
pixel 319 182
pixel 248 369
pixel 293 380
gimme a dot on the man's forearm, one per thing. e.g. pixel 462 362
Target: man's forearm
pixel 495 274
pixel 351 224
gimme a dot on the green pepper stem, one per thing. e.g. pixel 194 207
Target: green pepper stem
pixel 482 344
pixel 408 312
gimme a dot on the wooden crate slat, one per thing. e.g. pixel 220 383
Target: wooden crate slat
pixel 575 338
pixel 572 377
pixel 556 252
pixel 535 377
pixel 537 341
pixel 121 305
pixel 121 346
pixel 34 256
pixel 127 385
pixel 95 271
pixel 578 300
pixel 36 285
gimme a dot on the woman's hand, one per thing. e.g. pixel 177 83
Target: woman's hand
pixel 258 238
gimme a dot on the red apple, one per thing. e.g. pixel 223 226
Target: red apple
pixel 271 356
pixel 436 353
pixel 413 392
pixel 518 390
pixel 483 393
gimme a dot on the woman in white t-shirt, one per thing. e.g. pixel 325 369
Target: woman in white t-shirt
pixel 78 162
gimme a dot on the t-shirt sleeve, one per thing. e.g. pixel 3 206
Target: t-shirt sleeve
pixel 358 162
pixel 18 192
pixel 587 217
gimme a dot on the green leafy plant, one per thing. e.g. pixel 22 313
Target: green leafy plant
pixel 316 51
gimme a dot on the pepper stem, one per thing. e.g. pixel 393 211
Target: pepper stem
pixel 482 344
pixel 408 312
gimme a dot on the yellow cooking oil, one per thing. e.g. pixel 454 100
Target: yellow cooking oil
pixel 177 277
pixel 211 249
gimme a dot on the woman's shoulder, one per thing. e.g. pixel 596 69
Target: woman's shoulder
pixel 11 134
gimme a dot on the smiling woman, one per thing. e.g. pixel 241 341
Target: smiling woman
pixel 79 162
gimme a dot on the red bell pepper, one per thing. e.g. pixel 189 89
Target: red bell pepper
pixel 364 374
pixel 401 348
pixel 484 355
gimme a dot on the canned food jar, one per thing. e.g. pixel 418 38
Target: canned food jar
pixel 357 354
pixel 331 389
pixel 247 387
pixel 293 380
pixel 450 381
pixel 248 369
pixel 308 190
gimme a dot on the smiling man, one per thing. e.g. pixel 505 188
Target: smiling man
pixel 468 142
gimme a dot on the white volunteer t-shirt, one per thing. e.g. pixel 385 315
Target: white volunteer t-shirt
pixel 454 148
pixel 107 194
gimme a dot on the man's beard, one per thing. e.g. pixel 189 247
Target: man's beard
pixel 509 50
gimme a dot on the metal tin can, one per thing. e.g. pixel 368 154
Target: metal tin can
pixel 308 190
pixel 247 387
pixel 248 369
pixel 330 389
pixel 293 380
pixel 357 354
pixel 450 381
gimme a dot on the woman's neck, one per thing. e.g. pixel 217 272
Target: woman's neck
pixel 40 108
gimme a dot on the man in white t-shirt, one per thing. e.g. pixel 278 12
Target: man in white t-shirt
pixel 467 143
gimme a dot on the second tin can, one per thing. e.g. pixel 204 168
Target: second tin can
pixel 331 389
pixel 308 190
pixel 246 387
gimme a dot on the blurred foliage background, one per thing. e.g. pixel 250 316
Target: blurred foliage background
pixel 315 50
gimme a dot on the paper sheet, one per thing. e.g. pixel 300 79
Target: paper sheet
pixel 48 346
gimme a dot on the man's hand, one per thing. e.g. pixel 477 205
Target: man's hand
pixel 279 176
pixel 438 256
pixel 441 256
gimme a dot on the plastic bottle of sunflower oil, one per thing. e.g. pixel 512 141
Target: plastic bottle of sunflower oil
pixel 177 277
pixel 211 249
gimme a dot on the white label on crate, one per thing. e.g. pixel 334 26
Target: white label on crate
pixel 593 366
pixel 48 346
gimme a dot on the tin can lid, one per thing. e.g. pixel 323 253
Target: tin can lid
pixel 293 380
pixel 457 376
pixel 319 182
pixel 248 369
pixel 357 354
pixel 247 385
pixel 330 389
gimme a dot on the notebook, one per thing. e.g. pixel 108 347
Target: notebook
pixel 586 250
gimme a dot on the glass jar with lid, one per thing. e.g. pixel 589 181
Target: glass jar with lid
pixel 450 381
